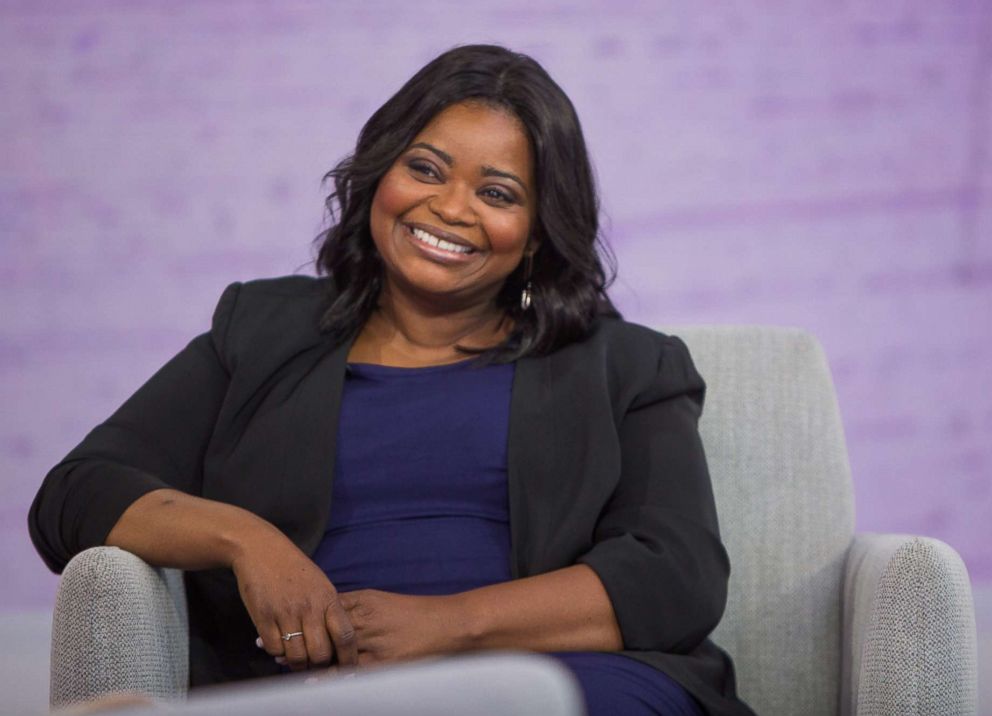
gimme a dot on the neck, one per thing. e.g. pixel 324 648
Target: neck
pixel 408 329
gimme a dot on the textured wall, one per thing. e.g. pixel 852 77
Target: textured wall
pixel 816 163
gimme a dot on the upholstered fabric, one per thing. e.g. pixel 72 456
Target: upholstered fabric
pixel 777 457
pixel 119 625
pixel 909 629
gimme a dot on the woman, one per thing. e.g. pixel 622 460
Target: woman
pixel 513 466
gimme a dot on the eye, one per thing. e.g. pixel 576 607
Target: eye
pixel 498 195
pixel 422 167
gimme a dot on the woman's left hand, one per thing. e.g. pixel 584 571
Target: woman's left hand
pixel 399 627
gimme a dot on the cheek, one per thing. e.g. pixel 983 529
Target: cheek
pixel 393 197
pixel 508 233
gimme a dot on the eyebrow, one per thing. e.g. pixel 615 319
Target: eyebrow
pixel 445 157
pixel 487 171
pixel 491 172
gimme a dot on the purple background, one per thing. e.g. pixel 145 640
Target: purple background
pixel 818 164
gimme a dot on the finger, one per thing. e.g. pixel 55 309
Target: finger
pixel 270 638
pixel 294 648
pixel 318 642
pixel 342 633
pixel 261 645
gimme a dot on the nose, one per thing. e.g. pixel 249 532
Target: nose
pixel 453 205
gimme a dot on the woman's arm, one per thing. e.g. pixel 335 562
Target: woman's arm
pixel 133 483
pixel 168 528
pixel 282 589
pixel 563 610
pixel 655 577
pixel 155 440
pixel 657 546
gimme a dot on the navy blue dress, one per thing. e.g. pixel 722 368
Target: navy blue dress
pixel 420 507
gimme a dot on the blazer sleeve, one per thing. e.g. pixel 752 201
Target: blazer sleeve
pixel 156 439
pixel 657 546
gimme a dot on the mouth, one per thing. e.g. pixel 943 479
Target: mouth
pixel 440 241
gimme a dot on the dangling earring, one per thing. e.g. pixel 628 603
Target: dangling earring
pixel 527 294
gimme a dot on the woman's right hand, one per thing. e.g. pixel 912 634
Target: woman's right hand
pixel 285 592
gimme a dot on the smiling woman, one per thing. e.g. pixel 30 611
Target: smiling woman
pixel 482 141
pixel 449 443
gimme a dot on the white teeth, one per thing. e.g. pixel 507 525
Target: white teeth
pixel 432 240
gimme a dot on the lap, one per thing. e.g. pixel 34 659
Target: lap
pixel 614 684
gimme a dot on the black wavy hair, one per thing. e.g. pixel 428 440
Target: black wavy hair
pixel 568 276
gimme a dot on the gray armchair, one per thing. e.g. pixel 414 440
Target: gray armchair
pixel 820 620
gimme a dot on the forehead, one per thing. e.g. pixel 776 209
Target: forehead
pixel 476 133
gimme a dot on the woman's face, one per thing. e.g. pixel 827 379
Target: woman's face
pixel 452 217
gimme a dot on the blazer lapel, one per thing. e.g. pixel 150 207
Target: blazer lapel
pixel 315 421
pixel 531 459
pixel 282 465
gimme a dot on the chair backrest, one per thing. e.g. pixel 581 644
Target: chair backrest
pixel 775 448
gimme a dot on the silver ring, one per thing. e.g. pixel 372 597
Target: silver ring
pixel 290 635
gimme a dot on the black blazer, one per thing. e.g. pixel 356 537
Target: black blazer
pixel 605 466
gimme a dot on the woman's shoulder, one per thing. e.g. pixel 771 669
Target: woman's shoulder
pixel 620 332
pixel 618 340
pixel 289 294
pixel 287 286
pixel 278 289
pixel 266 314
pixel 633 358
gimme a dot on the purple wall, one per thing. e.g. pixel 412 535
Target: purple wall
pixel 819 164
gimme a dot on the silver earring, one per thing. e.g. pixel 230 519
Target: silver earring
pixel 527 294
pixel 525 297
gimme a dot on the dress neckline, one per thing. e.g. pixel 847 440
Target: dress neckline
pixel 378 370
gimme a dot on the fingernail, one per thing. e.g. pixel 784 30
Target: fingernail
pixel 280 659
pixel 259 644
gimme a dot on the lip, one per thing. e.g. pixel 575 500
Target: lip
pixel 441 234
pixel 438 255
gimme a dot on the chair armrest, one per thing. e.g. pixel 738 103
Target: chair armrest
pixel 492 684
pixel 119 625
pixel 909 641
